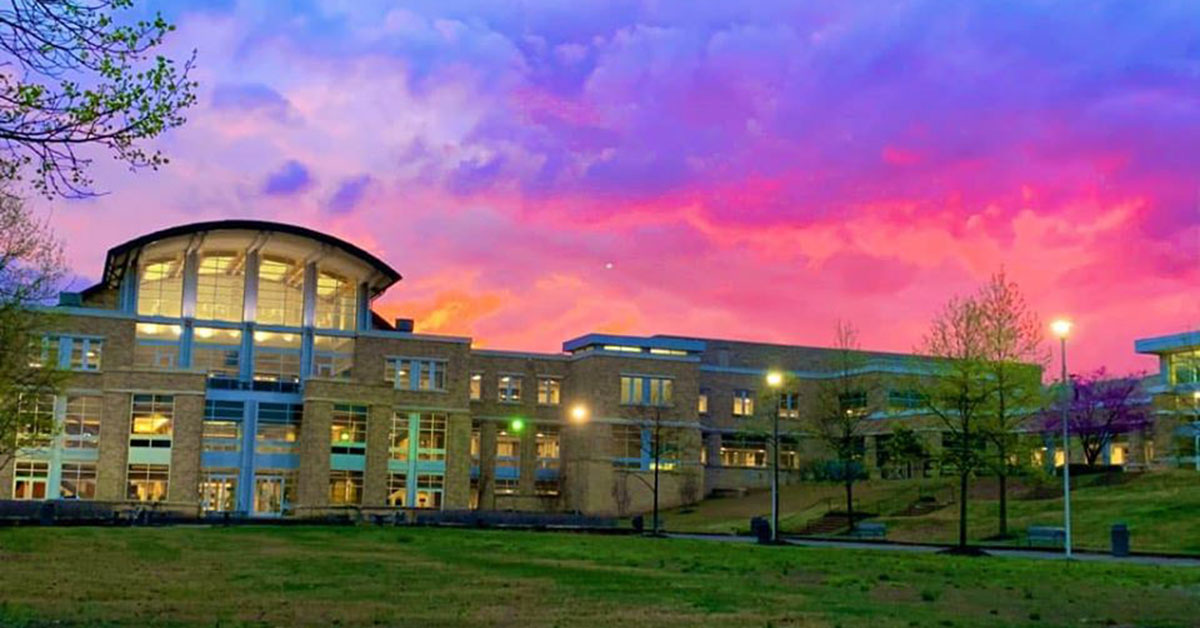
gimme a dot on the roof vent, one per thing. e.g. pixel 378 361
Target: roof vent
pixel 404 325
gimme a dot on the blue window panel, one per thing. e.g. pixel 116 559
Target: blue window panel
pixel 546 475
pixel 347 462
pixel 222 459
pixel 508 473
pixel 277 461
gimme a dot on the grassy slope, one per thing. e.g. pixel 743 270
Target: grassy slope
pixel 1161 509
pixel 428 577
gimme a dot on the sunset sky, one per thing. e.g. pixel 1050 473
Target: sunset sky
pixel 746 170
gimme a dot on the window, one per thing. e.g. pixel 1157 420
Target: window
pixel 276 356
pixel 160 288
pixel 789 405
pixel 627 446
pixel 642 390
pixel 333 357
pixel 657 351
pixel 274 491
pixel 431 437
pixel 222 435
pixel 853 401
pixel 218 490
pixel 744 451
pixel 78 480
pixel 415 374
pixel 507 486
pixel 217 352
pixel 280 292
pixel 476 386
pixel 278 428
pixel 1184 368
pixel 508 450
pixel 549 390
pixel 220 284
pixel 546 488
pixel 157 346
pixel 397 489
pixel 85 353
pixel 429 490
pixel 400 438
pixel 547 447
pixel 337 301
pixel 147 482
pixel 36 420
pixel 476 442
pixel 905 400
pixel 349 429
pixel 702 401
pixel 81 423
pixel 152 415
pixel 345 487
pixel 30 479
pixel 743 402
pixel 509 389
pixel 43 352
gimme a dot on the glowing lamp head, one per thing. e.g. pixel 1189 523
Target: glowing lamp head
pixel 579 413
pixel 1061 327
pixel 774 379
pixel 1196 396
pixel 516 425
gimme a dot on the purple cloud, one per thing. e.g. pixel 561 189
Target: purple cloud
pixel 291 178
pixel 348 195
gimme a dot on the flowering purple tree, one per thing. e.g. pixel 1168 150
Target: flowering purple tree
pixel 1099 409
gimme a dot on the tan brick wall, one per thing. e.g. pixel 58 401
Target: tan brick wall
pixel 114 447
pixel 313 490
pixel 185 449
pixel 379 434
pixel 457 482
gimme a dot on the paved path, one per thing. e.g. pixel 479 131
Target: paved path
pixel 1171 561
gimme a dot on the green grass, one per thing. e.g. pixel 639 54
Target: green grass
pixel 1162 510
pixel 196 576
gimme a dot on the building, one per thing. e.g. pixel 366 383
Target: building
pixel 238 366
pixel 1175 395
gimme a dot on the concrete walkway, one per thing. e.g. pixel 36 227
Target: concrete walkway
pixel 1096 557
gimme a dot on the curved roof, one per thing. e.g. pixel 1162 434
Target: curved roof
pixel 118 256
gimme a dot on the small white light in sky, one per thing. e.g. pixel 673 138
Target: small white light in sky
pixel 608 266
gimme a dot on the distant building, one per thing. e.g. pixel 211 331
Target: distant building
pixel 1175 392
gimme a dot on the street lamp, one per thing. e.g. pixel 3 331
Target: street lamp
pixel 579 413
pixel 1062 328
pixel 775 380
pixel 1196 428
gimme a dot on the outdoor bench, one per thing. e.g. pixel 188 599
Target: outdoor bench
pixel 1046 534
pixel 869 530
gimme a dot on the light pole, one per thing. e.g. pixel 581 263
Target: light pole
pixel 1196 428
pixel 1062 328
pixel 775 380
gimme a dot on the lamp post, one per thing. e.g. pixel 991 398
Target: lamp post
pixel 775 380
pixel 1196 428
pixel 1062 328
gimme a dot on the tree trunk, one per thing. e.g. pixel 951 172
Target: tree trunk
pixel 962 508
pixel 1002 469
pixel 850 502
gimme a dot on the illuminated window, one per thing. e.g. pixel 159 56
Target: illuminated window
pixel 789 405
pixel 627 446
pixel 278 428
pixel 348 429
pixel 222 435
pixel 744 451
pixel 147 482
pixel 743 403
pixel 77 480
pixel 549 390
pixel 85 353
pixel 345 487
pixel 900 400
pixel 431 436
pixel 280 292
pixel 337 302
pixel 546 488
pixel 81 423
pixel 415 374
pixel 476 386
pixel 642 390
pixel 274 491
pixel 399 445
pixel 35 420
pixel 853 402
pixel 1184 368
pixel 43 352
pixel 220 287
pixel 622 348
pixel 547 447
pixel 218 490
pixel 217 352
pixel 152 415
pixel 397 489
pixel 333 357
pixel 507 486
pixel 508 450
pixel 31 479
pixel 429 490
pixel 157 346
pixel 509 389
pixel 657 351
pixel 160 288
pixel 276 356
pixel 702 401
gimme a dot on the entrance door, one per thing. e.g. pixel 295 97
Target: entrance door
pixel 268 495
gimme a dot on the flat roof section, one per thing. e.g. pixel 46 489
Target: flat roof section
pixel 1168 344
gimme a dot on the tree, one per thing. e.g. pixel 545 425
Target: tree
pixel 1099 409
pixel 958 390
pixel 904 449
pixel 1013 356
pixel 841 410
pixel 31 265
pixel 75 76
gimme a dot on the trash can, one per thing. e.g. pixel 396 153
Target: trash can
pixel 1120 540
pixel 639 524
pixel 761 529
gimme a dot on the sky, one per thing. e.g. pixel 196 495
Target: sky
pixel 752 170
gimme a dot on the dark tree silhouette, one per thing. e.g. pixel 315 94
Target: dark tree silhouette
pixel 1099 409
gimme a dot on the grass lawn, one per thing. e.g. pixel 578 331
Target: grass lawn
pixel 1162 510
pixel 439 577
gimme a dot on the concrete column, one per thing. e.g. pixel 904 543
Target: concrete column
pixel 456 491
pixel 375 475
pixel 313 489
pixel 187 431
pixel 111 467
pixel 6 479
pixel 528 463
pixel 712 442
pixel 487 465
